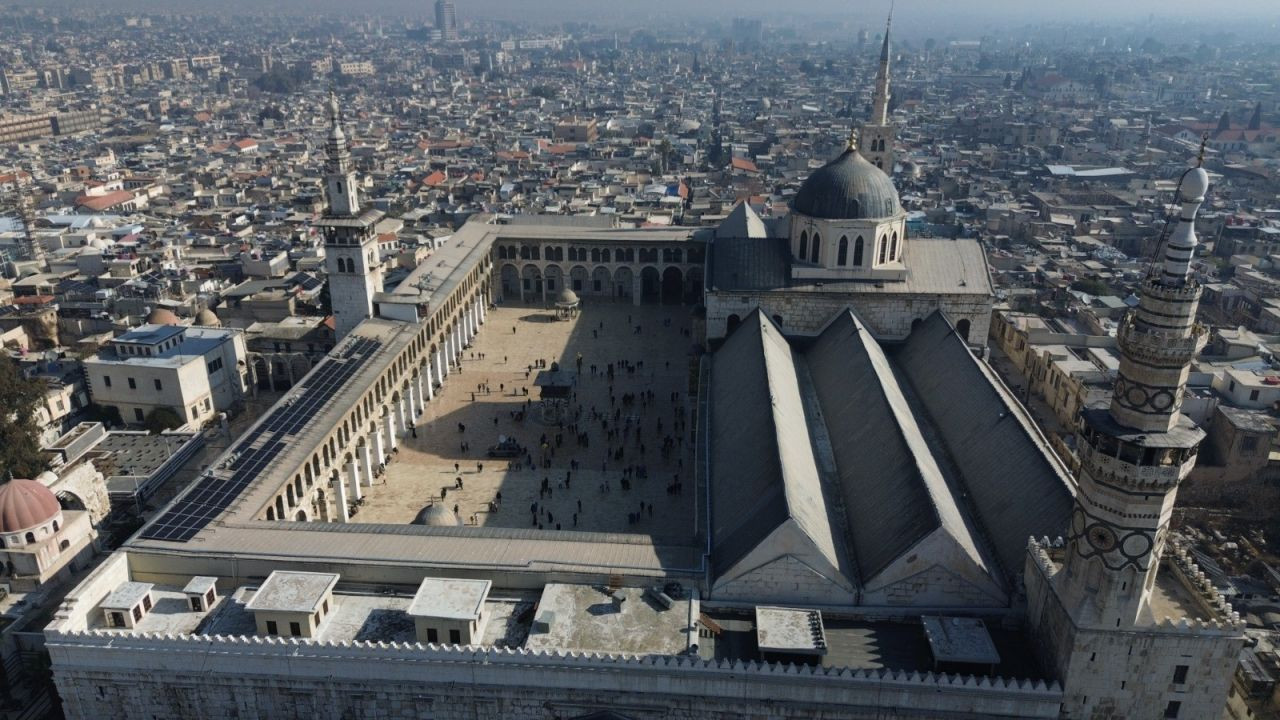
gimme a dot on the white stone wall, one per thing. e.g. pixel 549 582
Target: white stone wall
pixel 89 486
pixel 123 675
pixel 1128 672
pixel 889 315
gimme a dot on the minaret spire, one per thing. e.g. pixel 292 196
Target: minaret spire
pixel 353 261
pixel 340 180
pixel 880 111
pixel 1134 454
pixel 876 138
pixel 26 213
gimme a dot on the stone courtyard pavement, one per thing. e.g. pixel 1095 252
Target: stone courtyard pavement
pixel 486 396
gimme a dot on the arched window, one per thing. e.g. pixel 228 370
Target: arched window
pixel 894 254
pixel 804 244
pixel 857 251
pixel 31 537
pixel 817 243
pixel 884 248
pixel 604 255
pixel 962 327
pixel 55 526
pixel 842 255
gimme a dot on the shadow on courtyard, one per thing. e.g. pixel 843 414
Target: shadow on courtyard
pixel 557 483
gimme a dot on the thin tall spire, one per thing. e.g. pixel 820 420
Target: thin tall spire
pixel 880 106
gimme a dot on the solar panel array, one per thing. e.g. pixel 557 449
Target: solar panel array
pixel 215 492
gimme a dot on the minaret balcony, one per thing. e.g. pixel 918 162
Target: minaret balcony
pixel 1190 290
pixel 1162 349
pixel 1117 472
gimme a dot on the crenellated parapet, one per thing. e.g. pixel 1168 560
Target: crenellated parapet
pixel 346 652
pixel 1195 580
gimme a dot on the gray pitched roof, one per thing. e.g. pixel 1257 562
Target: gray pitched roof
pixel 742 222
pixel 1014 482
pixel 750 264
pixel 887 505
pixel 763 468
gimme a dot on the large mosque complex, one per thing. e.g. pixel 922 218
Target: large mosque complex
pixel 518 488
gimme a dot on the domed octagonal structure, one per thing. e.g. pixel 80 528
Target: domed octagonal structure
pixel 848 188
pixel 26 504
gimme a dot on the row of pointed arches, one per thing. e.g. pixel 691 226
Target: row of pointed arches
pixel 890 249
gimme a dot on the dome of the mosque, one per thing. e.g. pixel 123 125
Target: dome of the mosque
pixel 847 188
pixel 567 297
pixel 207 318
pixel 436 516
pixel 25 504
pixel 161 316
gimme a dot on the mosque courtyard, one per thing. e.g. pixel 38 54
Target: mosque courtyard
pixel 620 461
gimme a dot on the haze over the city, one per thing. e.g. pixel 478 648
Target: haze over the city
pixel 916 17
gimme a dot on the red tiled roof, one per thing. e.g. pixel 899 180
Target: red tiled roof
pixel 744 165
pixel 103 202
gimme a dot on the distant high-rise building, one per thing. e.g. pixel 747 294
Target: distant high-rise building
pixel 447 20
pixel 748 32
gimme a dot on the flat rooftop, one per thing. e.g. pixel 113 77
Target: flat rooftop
pixel 450 598
pixel 592 618
pixel 291 591
pixel 360 616
pixel 959 640
pixel 790 630
pixel 126 596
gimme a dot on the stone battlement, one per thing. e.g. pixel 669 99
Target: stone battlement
pixel 1193 577
pixel 427 653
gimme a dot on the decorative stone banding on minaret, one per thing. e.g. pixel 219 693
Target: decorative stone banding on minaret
pixel 1134 454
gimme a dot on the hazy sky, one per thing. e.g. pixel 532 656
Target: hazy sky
pixel 913 17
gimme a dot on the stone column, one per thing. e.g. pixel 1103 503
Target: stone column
pixel 544 289
pixel 422 399
pixel 482 302
pixel 637 289
pixel 353 472
pixel 391 432
pixel 402 414
pixel 430 386
pixel 412 392
pixel 340 498
pixel 441 371
pixel 379 447
pixel 366 464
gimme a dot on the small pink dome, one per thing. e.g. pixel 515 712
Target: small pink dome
pixel 25 504
pixel 162 316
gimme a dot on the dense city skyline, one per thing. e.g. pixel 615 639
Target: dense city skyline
pixel 639 361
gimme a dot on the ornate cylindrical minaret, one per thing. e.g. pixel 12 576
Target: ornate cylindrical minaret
pixel 340 180
pixel 353 261
pixel 1134 454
